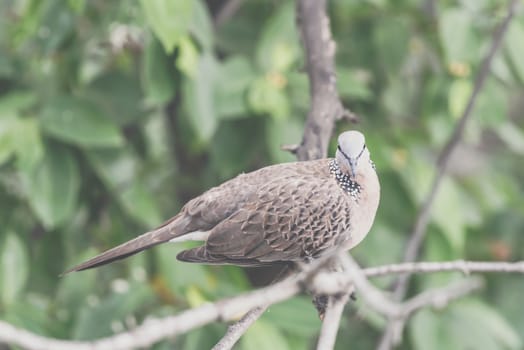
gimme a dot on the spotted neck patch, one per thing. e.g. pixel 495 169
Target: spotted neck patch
pixel 344 181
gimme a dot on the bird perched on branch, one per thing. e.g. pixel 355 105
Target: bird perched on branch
pixel 290 212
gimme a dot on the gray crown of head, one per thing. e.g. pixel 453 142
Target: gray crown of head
pixel 351 143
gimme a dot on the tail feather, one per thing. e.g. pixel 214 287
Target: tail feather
pixel 136 245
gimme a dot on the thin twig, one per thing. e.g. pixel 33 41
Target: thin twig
pixel 421 222
pixel 226 12
pixel 236 330
pixel 466 267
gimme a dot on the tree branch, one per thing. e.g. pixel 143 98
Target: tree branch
pixel 154 330
pixel 421 222
pixel 331 321
pixel 226 12
pixel 236 330
pixel 466 267
pixel 326 107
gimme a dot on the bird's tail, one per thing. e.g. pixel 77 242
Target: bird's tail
pixel 149 239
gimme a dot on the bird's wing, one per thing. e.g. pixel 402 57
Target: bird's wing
pixel 200 214
pixel 288 219
pixel 281 212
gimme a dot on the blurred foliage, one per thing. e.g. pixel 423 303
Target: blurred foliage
pixel 114 113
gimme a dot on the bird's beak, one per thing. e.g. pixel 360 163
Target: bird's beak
pixel 353 167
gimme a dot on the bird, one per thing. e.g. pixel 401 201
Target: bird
pixel 285 213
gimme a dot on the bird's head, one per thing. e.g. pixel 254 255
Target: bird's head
pixel 352 153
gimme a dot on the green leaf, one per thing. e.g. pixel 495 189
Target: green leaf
pixel 118 169
pixel 229 154
pixel 235 75
pixel 202 338
pixel 7 144
pixel 140 204
pixel 467 324
pixel 515 48
pixel 416 174
pixel 263 336
pixel 438 248
pixel 73 289
pixel 490 320
pixel 198 100
pixel 201 25
pixel 295 315
pixel 284 132
pixel 353 84
pixel 20 136
pixel 12 103
pixel 96 321
pixel 492 104
pixel 448 213
pixel 117 97
pixel 428 332
pixel 298 87
pixel 14 268
pixel 278 47
pixel 78 6
pixel 391 36
pixel 28 147
pixel 457 36
pixel 170 20
pixel 52 186
pixel 188 60
pixel 459 94
pixel 159 75
pixel 265 96
pixel 29 312
pixel 80 122
pixel 512 136
pixel 179 277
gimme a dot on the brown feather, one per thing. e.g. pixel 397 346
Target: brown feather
pixel 281 213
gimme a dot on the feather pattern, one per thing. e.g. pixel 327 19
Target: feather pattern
pixel 281 213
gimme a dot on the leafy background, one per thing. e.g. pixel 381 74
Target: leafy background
pixel 114 113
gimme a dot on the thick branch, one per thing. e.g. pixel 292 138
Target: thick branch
pixel 331 322
pixel 326 107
